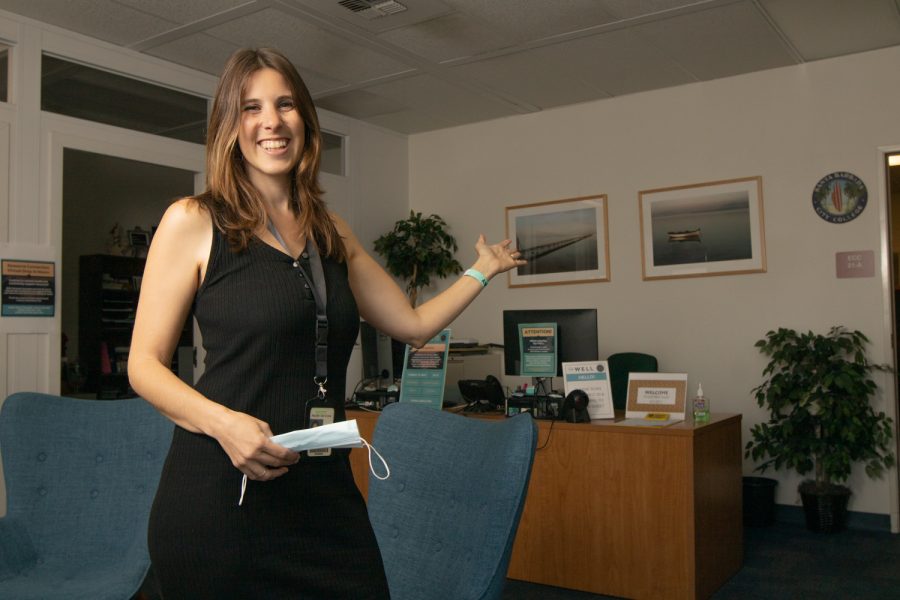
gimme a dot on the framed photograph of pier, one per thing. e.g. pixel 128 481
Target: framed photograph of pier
pixel 704 229
pixel 564 241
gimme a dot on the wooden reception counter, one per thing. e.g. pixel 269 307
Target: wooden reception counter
pixel 635 512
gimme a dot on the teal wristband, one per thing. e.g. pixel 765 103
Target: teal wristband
pixel 477 276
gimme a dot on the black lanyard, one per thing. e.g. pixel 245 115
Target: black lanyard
pixel 316 284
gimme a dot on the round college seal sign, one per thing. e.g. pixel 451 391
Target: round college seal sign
pixel 839 197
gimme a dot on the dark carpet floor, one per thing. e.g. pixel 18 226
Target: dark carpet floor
pixel 786 561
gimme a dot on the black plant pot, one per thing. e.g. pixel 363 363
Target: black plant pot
pixel 759 501
pixel 825 508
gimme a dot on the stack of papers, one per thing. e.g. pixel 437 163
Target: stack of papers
pixel 644 422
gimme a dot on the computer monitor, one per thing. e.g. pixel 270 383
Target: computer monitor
pixel 382 356
pixel 576 330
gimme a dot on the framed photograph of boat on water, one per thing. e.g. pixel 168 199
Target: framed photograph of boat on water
pixel 564 241
pixel 704 229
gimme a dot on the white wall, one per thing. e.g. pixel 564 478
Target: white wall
pixel 791 126
pixel 372 195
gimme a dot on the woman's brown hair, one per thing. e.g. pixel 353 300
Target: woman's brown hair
pixel 232 200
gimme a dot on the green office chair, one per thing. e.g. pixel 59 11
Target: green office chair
pixel 620 365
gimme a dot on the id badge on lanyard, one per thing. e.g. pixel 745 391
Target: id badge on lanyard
pixel 319 411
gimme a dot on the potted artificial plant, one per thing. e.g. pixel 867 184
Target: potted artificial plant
pixel 417 249
pixel 817 393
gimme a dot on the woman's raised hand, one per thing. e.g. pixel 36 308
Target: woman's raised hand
pixel 496 258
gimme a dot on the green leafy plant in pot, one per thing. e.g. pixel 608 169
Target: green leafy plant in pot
pixel 817 391
pixel 417 249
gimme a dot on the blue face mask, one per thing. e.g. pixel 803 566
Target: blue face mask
pixel 343 434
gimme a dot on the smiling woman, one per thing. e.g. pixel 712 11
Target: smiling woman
pixel 216 252
pixel 260 97
pixel 271 134
pixel 278 284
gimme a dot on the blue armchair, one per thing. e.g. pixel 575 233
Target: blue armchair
pixel 446 518
pixel 80 478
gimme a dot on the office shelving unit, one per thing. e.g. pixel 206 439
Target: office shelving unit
pixel 108 292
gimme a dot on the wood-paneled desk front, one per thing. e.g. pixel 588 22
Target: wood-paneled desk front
pixel 636 512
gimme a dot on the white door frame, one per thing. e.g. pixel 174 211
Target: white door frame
pixel 890 379
pixel 59 133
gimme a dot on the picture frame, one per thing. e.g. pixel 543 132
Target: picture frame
pixel 138 238
pixel 564 241
pixel 703 229
pixel 656 393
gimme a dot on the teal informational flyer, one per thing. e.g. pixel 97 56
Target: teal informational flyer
pixel 424 372
pixel 537 347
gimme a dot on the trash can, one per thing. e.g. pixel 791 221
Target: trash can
pixel 759 501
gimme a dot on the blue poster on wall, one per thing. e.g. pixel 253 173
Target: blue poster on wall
pixel 28 288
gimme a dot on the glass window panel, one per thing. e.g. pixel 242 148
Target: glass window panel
pixel 332 160
pixel 88 93
pixel 4 73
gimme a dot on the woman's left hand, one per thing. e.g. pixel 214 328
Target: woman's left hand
pixel 496 258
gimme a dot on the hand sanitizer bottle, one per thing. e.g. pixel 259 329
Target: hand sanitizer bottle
pixel 701 406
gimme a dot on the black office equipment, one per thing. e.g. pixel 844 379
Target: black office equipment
pixel 482 394
pixel 575 407
pixel 520 403
pixel 382 356
pixel 375 399
pixel 576 329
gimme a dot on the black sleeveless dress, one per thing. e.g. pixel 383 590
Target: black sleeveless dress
pixel 305 534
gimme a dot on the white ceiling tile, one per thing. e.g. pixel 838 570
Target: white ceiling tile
pixel 416 11
pixel 309 46
pixel 446 38
pixel 535 19
pixel 725 40
pixel 209 54
pixel 318 82
pixel 826 28
pixel 447 62
pixel 360 104
pixel 629 9
pixel 102 19
pixel 588 68
pixel 180 11
pixel 411 121
pixel 620 62
pixel 436 97
pixel 543 77
pixel 199 51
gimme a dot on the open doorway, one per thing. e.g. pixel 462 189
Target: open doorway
pixel 892 166
pixel 110 209
pixel 893 194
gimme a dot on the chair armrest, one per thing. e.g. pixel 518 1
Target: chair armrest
pixel 17 553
